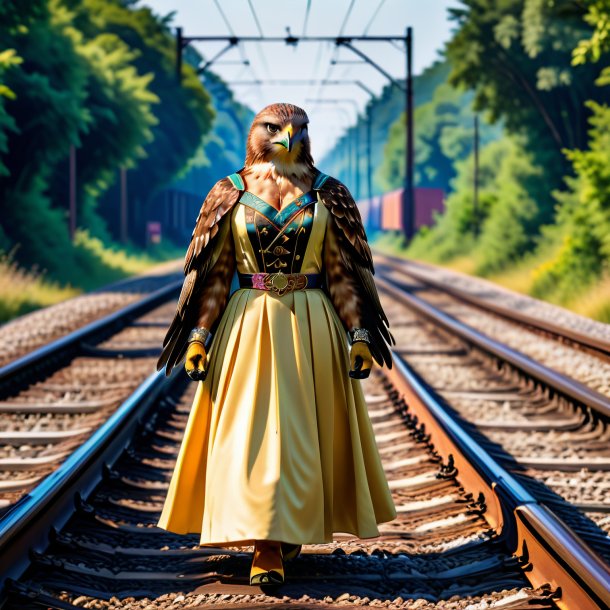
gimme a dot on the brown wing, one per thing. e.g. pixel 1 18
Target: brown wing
pixel 221 198
pixel 197 264
pixel 358 261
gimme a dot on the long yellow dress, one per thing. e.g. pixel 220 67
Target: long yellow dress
pixel 278 443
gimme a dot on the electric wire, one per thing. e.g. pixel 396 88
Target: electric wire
pixel 368 25
pixel 305 21
pixel 256 21
pixel 224 17
pixel 347 16
pixel 259 48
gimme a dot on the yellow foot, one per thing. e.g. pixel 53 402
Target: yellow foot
pixel 267 565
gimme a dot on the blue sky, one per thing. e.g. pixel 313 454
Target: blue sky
pixel 312 61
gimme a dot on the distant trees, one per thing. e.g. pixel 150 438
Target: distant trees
pixel 97 75
pixel 582 231
pixel 444 134
pixel 516 56
pixel 518 60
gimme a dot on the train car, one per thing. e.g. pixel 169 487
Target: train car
pixel 384 212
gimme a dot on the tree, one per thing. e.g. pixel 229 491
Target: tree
pixel 444 134
pixel 583 221
pixel 516 55
pixel 184 113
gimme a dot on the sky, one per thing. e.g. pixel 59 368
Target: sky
pixel 311 61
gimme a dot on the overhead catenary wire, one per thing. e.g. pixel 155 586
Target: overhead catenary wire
pixel 340 41
pixel 256 21
pixel 306 19
pixel 374 16
pixel 224 18
pixel 241 50
pixel 347 16
pixel 259 47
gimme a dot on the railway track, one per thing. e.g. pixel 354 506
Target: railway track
pixel 480 524
pixel 55 397
pixel 551 422
pixel 31 331
pixel 450 290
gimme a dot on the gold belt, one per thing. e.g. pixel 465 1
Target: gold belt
pixel 280 283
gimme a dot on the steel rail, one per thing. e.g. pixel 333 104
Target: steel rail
pixel 24 368
pixel 549 377
pixel 581 339
pixel 550 553
pixel 26 526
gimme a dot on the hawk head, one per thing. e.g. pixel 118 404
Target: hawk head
pixel 278 135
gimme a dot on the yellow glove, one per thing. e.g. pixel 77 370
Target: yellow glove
pixel 361 360
pixel 196 361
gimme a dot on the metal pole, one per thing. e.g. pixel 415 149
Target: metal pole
pixel 369 170
pixel 357 136
pixel 72 213
pixel 123 230
pixel 350 160
pixel 408 195
pixel 179 46
pixel 475 200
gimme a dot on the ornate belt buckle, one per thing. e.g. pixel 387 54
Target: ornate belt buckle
pixel 279 282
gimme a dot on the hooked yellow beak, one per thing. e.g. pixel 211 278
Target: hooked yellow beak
pixel 286 139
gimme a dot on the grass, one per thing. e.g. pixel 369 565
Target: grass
pixel 592 302
pixel 25 290
pixel 22 291
pixel 595 301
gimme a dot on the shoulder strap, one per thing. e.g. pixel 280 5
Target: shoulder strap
pixel 237 181
pixel 319 181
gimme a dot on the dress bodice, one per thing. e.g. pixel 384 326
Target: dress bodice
pixel 289 240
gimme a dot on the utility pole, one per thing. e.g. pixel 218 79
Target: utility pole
pixel 475 199
pixel 179 47
pixel 123 228
pixel 408 193
pixel 72 209
pixel 369 154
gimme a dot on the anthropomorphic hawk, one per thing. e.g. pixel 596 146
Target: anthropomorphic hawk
pixel 278 168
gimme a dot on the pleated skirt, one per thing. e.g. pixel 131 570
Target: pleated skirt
pixel 278 443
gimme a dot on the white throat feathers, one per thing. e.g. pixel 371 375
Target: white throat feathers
pixel 277 169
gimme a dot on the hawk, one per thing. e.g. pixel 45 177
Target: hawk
pixel 279 166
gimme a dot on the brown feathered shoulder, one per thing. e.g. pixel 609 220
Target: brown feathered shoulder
pixel 198 261
pixel 356 257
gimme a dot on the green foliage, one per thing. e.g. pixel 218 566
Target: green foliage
pixel 516 55
pixel 182 115
pixel 97 75
pixel 224 148
pixel 444 134
pixel 498 231
pixel 583 223
pixel 8 59
pixel 591 49
pixel 583 219
pixel 383 111
pixel 511 224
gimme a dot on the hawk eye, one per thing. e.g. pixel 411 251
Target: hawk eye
pixel 271 128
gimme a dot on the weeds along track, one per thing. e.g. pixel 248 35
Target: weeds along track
pixel 31 331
